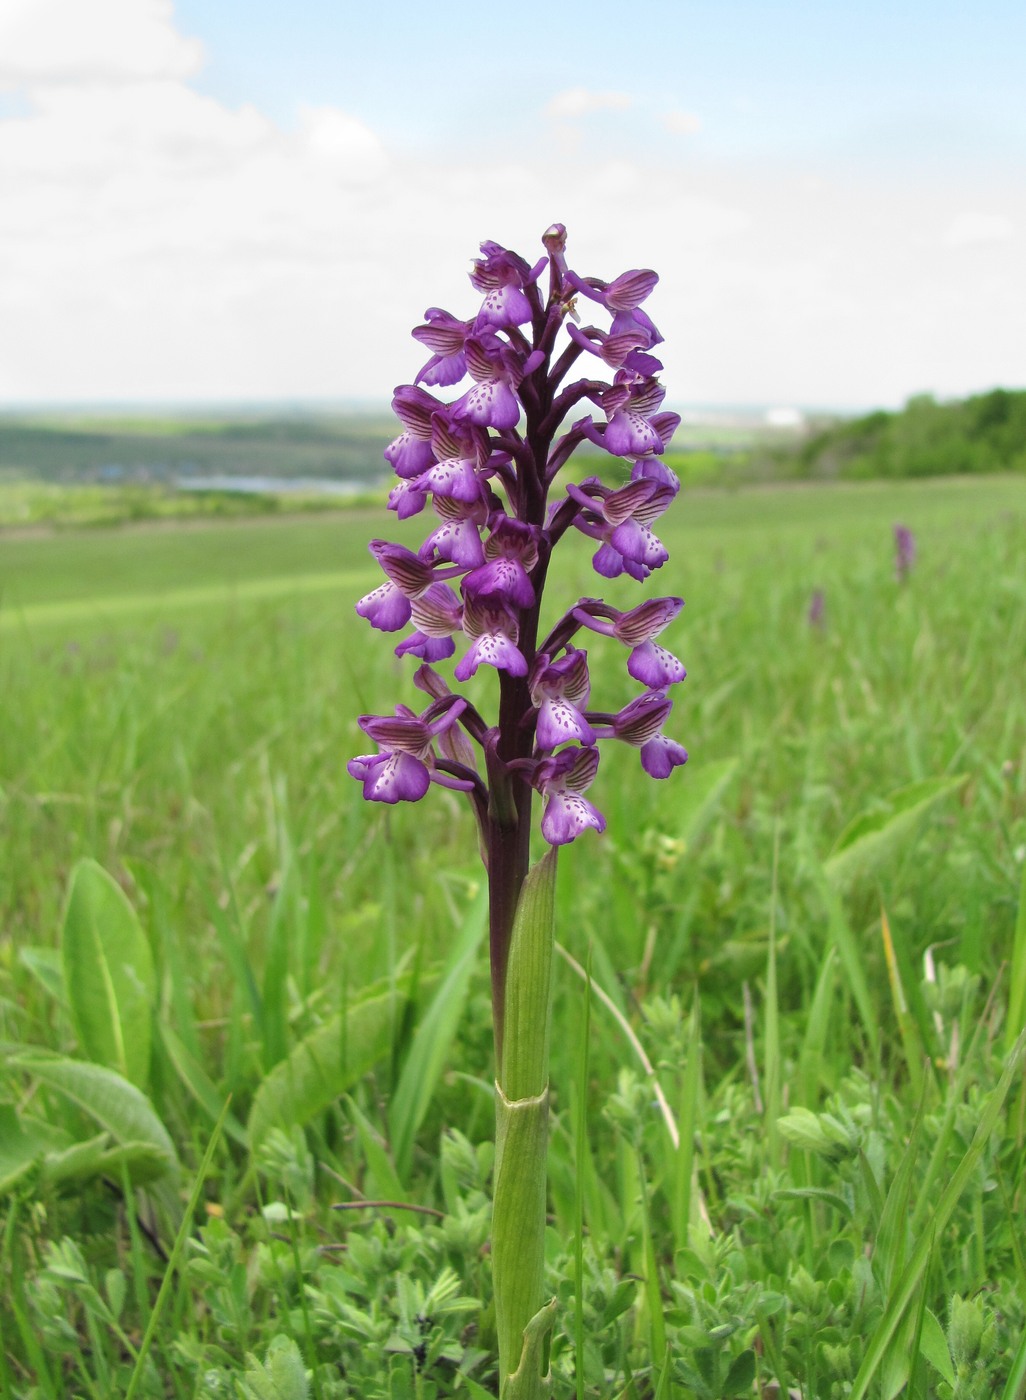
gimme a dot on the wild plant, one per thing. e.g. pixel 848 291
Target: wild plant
pixel 492 463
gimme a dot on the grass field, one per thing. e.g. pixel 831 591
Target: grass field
pixel 816 933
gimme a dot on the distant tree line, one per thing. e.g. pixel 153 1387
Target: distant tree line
pixel 985 433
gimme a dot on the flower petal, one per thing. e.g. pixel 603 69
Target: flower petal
pixel 491 404
pixel 455 477
pixel 559 722
pixel 427 648
pixel 628 290
pixel 654 666
pixel 385 608
pixel 492 649
pixel 628 434
pixel 647 620
pixel 398 777
pixel 566 815
pixel 660 756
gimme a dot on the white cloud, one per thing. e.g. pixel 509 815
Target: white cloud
pixel 970 229
pixel 107 41
pixel 682 123
pixel 581 102
pixel 343 143
pixel 160 244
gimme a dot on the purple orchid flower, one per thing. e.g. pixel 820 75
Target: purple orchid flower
pixel 653 665
pixel 621 520
pixel 510 552
pixel 436 614
pixel 634 426
pixel 404 767
pixel 622 350
pixel 411 452
pixel 501 275
pixel 904 552
pixel 491 402
pixel 458 538
pixel 562 780
pixel 446 337
pixel 640 724
pixel 494 631
pixel 560 689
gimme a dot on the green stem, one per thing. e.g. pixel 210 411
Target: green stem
pixel 521 1140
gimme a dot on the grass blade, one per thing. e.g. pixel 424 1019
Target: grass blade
pixel 920 1258
pixel 1017 977
pixel 175 1256
pixel 911 1041
pixel 1015 1386
pixel 433 1038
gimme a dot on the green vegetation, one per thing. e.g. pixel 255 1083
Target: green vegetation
pixel 979 435
pixel 791 1115
pixel 62 506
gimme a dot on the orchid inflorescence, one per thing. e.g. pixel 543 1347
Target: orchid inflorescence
pixel 904 552
pixel 488 463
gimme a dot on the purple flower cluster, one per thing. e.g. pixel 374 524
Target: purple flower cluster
pixel 485 465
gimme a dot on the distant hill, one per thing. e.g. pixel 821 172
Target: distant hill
pixel 64 447
pixel 985 433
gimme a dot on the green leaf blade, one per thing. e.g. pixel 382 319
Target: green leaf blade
pixel 108 974
pixel 117 1105
pixel 876 834
pixel 323 1066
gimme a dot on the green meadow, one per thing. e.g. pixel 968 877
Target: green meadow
pixel 246 1086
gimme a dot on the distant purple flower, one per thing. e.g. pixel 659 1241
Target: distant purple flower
pixel 904 552
pixel 817 608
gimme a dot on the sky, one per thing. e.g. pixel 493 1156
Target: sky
pixel 242 201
